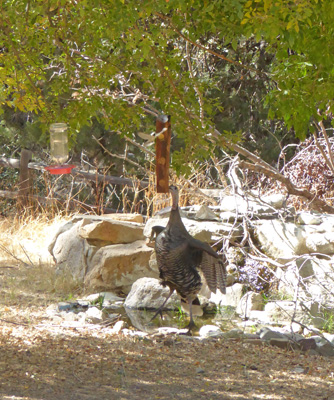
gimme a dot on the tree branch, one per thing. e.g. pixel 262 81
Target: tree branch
pixel 314 202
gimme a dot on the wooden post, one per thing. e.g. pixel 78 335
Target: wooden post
pixel 24 179
pixel 162 151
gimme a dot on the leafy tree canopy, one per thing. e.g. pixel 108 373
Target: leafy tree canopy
pixel 123 61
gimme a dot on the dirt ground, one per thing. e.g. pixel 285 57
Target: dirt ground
pixel 42 360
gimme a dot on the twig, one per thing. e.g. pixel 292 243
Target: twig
pixel 199 94
pixel 141 147
pixel 124 158
pixel 3 248
pixel 205 49
pixel 328 163
pixel 26 254
pixel 14 323
pixel 329 149
pixel 314 202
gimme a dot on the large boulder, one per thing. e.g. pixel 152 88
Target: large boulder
pixel 117 267
pixel 69 250
pixel 281 240
pixel 102 252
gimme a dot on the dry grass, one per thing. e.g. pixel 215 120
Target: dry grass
pixel 26 240
pixel 27 273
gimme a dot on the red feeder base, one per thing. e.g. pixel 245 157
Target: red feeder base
pixel 60 169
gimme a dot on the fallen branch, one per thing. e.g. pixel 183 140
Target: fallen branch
pixel 314 202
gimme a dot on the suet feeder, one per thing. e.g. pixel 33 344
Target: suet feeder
pixel 59 149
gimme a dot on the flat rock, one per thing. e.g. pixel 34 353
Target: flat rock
pixel 111 231
pixel 205 213
pixel 210 331
pixel 130 217
pixel 234 333
pixel 282 343
pixel 308 218
pixel 108 297
pixel 269 334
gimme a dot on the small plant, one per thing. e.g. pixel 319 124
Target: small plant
pixel 180 314
pixel 256 276
pixel 276 296
pixel 70 297
pixel 99 302
pixel 214 310
pixel 329 322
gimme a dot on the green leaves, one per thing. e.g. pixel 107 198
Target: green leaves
pixel 114 61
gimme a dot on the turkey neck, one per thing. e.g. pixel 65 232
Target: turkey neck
pixel 175 221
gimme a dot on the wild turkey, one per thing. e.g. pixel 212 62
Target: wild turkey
pixel 181 257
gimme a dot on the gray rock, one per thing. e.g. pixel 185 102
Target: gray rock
pixel 166 330
pixel 259 317
pixel 249 302
pixel 313 278
pixel 307 344
pixel 234 333
pixel 130 332
pixel 275 200
pixel 238 204
pixel 320 242
pixel 231 298
pixel 65 306
pixel 293 336
pixel 325 349
pixel 94 315
pixel 279 240
pixel 129 217
pixel 204 213
pixel 283 311
pixel 329 337
pixel 268 334
pixel 108 298
pixel 210 331
pixel 282 343
pixel 69 251
pixel 307 218
pixel 147 293
pixel 118 326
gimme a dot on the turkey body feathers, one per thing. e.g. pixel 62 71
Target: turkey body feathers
pixel 181 258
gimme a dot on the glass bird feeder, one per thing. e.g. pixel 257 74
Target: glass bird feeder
pixel 59 149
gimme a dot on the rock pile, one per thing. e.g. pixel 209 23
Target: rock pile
pixel 112 253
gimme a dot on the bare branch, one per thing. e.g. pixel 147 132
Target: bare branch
pixel 314 202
